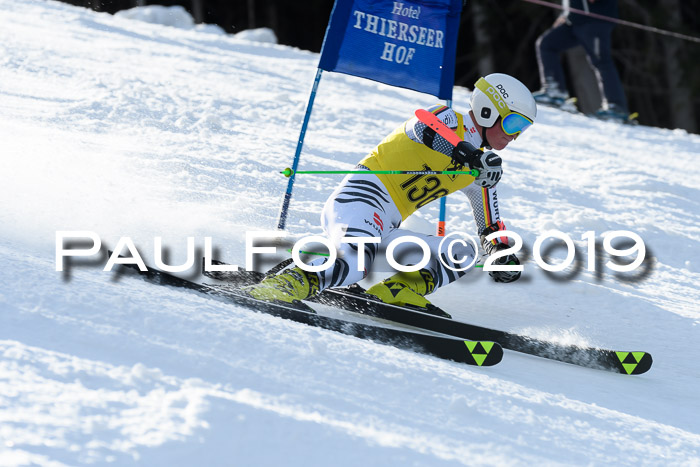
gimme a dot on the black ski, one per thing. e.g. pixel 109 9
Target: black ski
pixel 480 353
pixel 353 299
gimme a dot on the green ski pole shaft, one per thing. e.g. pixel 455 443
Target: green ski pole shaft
pixel 309 252
pixel 474 172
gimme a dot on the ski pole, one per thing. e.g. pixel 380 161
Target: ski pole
pixel 474 172
pixel 309 252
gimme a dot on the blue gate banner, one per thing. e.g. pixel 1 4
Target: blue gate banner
pixel 409 44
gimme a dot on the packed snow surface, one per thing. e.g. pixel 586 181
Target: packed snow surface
pixel 130 129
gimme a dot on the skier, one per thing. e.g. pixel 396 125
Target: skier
pixel 369 205
pixel 570 30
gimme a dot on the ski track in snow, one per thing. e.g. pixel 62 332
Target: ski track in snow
pixel 133 129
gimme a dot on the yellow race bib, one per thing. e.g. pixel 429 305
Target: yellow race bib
pixel 411 192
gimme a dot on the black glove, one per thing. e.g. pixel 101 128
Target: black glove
pixel 490 170
pixel 504 276
pixel 466 154
pixel 490 249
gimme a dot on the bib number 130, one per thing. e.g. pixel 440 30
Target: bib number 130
pixel 421 189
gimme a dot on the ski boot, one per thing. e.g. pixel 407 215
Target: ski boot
pixel 615 113
pixel 408 289
pixel 289 286
pixel 551 96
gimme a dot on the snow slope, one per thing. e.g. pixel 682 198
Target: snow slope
pixel 127 128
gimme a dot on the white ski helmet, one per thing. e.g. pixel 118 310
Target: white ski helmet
pixel 498 95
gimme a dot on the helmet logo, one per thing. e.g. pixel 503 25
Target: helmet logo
pixel 485 112
pixel 496 98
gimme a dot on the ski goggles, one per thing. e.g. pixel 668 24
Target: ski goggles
pixel 514 123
